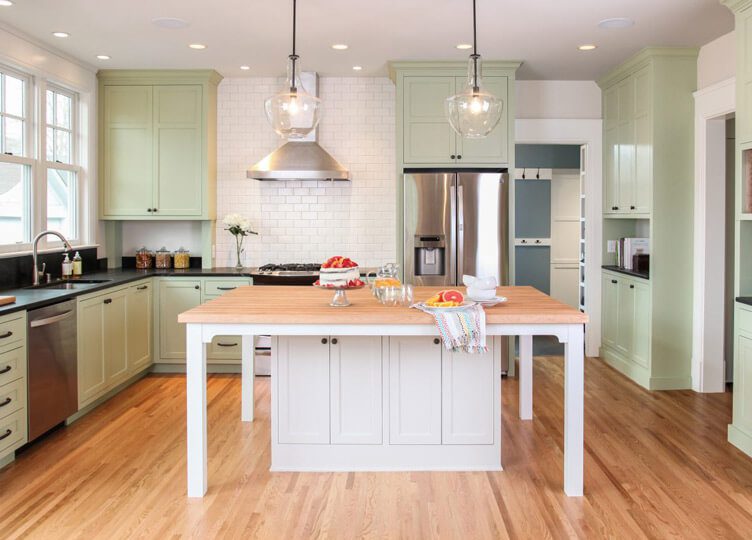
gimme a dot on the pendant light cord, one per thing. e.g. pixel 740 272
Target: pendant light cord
pixel 294 55
pixel 475 56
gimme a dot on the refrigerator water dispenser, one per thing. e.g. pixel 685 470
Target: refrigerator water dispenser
pixel 430 255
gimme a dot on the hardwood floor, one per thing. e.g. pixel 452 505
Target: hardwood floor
pixel 657 465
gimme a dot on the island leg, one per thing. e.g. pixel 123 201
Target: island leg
pixel 526 377
pixel 247 378
pixel 574 420
pixel 196 411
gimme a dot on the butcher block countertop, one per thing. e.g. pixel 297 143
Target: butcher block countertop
pixel 309 305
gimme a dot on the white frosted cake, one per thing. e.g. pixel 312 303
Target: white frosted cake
pixel 339 272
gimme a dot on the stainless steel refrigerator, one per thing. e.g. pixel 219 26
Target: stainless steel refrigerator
pixel 456 222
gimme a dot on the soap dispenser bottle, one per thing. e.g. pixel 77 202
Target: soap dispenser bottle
pixel 67 267
pixel 78 268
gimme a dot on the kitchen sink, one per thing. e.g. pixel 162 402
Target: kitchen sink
pixel 70 285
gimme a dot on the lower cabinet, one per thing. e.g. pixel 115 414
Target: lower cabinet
pixel 743 370
pixel 178 294
pixel 332 390
pixel 13 405
pixel 113 339
pixel 626 335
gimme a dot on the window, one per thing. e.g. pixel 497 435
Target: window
pixel 61 162
pixel 15 163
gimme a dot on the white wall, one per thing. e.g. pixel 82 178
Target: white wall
pixel 716 61
pixel 558 99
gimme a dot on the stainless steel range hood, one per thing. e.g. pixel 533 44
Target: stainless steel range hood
pixel 300 159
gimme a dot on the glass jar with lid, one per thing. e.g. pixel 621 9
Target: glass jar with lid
pixel 163 258
pixel 144 258
pixel 182 259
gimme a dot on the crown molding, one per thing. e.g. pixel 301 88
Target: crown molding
pixel 737 5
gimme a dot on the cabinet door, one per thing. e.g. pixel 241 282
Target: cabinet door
pixel 493 148
pixel 626 136
pixel 115 336
pixel 414 390
pixel 610 150
pixel 625 318
pixel 428 137
pixel 356 389
pixel 139 326
pixel 643 159
pixel 610 310
pixel 467 398
pixel 744 79
pixel 303 385
pixel 178 150
pixel 743 382
pixel 92 371
pixel 641 324
pixel 127 151
pixel 175 297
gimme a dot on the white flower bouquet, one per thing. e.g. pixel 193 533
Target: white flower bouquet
pixel 240 227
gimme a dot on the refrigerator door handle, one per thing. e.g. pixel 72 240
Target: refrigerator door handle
pixel 453 227
pixel 460 234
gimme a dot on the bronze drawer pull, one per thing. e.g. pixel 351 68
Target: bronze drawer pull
pixel 226 288
pixel 142 288
pixel 6 402
pixel 6 334
pixel 436 341
pixel 6 434
pixel 220 344
pixel 324 341
pixel 6 369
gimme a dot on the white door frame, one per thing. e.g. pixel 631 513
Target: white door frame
pixel 712 105
pixel 587 132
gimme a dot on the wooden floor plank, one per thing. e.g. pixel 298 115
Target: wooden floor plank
pixel 657 465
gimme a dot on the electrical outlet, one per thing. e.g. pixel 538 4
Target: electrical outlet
pixel 611 246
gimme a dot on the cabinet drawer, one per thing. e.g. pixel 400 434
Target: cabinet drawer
pixel 225 347
pixel 12 365
pixel 12 330
pixel 745 320
pixel 12 397
pixel 220 287
pixel 12 431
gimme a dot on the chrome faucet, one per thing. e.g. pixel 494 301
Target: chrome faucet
pixel 66 244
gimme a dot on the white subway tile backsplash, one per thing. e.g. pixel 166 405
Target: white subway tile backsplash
pixel 310 221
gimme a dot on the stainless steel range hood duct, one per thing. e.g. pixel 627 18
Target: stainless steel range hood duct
pixel 300 159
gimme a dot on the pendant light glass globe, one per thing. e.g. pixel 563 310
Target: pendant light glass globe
pixel 474 112
pixel 293 113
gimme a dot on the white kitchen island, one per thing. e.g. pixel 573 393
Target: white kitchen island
pixel 370 387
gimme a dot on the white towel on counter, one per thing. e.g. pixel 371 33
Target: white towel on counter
pixel 462 330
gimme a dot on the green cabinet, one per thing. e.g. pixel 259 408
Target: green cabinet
pixel 744 76
pixel 13 385
pixel 158 144
pixel 114 338
pixel 176 295
pixel 626 331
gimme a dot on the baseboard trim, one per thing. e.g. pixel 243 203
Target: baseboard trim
pixel 671 383
pixel 210 368
pixel 636 373
pixel 7 459
pixel 740 438
pixel 86 409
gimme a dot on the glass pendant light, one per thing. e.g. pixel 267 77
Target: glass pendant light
pixel 474 112
pixel 293 113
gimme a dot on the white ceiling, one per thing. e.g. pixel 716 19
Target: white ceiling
pixel 542 33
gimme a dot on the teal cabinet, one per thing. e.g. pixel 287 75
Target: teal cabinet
pixel 158 147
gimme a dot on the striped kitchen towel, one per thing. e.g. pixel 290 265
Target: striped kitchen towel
pixel 461 330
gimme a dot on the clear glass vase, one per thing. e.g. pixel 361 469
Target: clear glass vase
pixel 239 251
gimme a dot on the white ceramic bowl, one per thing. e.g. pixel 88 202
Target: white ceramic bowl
pixel 480 294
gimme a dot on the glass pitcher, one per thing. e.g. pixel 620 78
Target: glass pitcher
pixel 386 276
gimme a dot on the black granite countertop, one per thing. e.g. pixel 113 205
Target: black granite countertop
pixel 31 298
pixel 619 269
pixel 744 300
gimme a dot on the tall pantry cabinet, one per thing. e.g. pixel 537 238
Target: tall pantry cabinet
pixel 648 124
pixel 740 430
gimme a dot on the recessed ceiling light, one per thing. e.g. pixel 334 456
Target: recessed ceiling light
pixel 171 23
pixel 61 34
pixel 587 47
pixel 357 68
pixel 245 68
pixel 616 22
pixel 6 3
pixel 102 57
pixel 340 47
pixel 464 46
pixel 197 46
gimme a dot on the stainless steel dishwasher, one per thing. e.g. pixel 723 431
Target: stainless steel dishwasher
pixel 53 384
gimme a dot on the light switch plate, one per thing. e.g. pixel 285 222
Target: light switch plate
pixel 611 246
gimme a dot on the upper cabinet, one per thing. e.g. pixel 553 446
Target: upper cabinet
pixel 641 101
pixel 158 144
pixel 425 138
